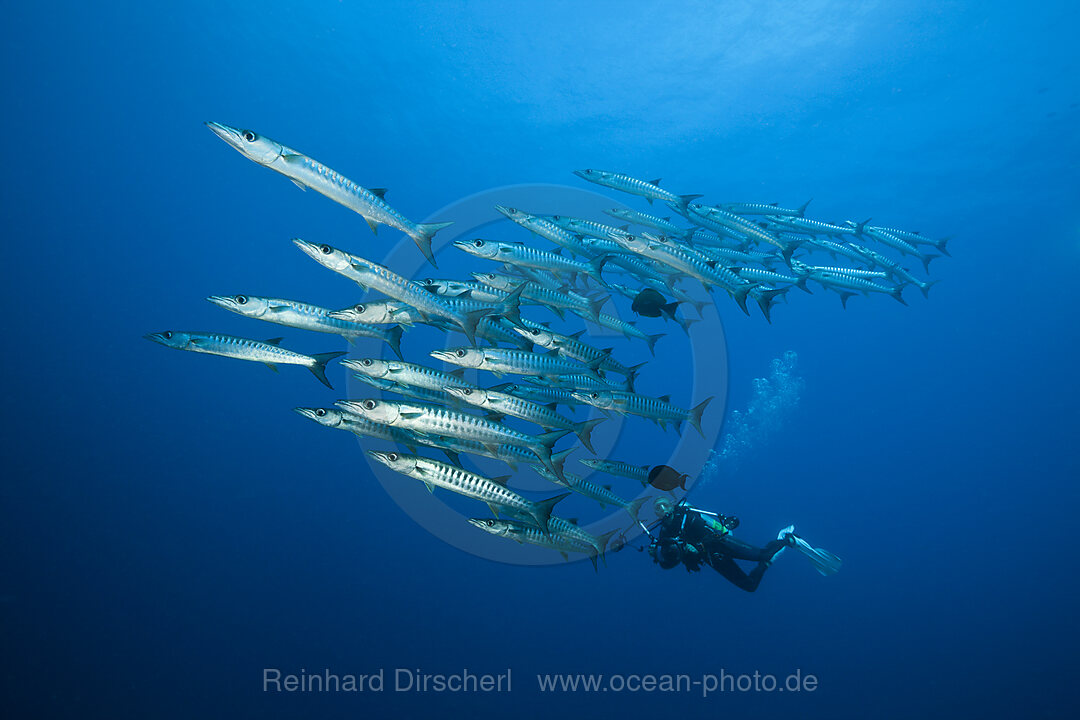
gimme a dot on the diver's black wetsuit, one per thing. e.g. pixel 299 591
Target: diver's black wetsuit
pixel 685 527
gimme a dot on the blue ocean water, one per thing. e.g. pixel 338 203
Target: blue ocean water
pixel 171 528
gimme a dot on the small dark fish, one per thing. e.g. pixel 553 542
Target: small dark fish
pixel 651 303
pixel 664 477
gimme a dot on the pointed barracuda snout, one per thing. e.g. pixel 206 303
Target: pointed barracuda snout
pixel 231 135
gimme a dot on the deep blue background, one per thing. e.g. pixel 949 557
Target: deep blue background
pixel 169 528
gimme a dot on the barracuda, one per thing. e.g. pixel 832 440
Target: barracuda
pixel 589 228
pixel 916 239
pixel 492 491
pixel 308 173
pixel 763 209
pixel 659 410
pixel 554 300
pixel 664 225
pixel 894 270
pixel 624 183
pixel 836 281
pixel 372 275
pixel 338 420
pixel 293 313
pixel 768 276
pixel 580 383
pixel 267 352
pixel 522 255
pixel 835 249
pixel 507 361
pixel 572 347
pixel 432 420
pixel 521 532
pixel 684 260
pixel 748 228
pixel 816 227
pixel 627 328
pixel 602 494
pixel 501 404
pixel 380 312
pixel 545 395
pixel 475 291
pixel 545 229
pixel 619 469
pixel 404 373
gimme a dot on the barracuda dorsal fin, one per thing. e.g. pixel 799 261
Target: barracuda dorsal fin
pixel 656 181
pixel 576 335
pixel 572 521
pixel 378 192
pixel 665 398
pixel 458 373
pixel 501 480
pixel 273 341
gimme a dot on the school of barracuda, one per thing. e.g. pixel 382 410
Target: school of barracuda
pixel 746 251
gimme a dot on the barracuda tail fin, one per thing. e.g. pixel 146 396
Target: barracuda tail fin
pixel 896 293
pixel 685 323
pixel 765 299
pixel 596 266
pixel 558 460
pixel 925 287
pixel 634 507
pixel 926 261
pixel 696 413
pixel 542 449
pixel 801 284
pixel 319 368
pixel 651 341
pixel 422 238
pixel 685 200
pixel 632 373
pixel 739 295
pixel 541 511
pixel 584 432
pixel 470 320
pixel 596 305
pixel 844 298
pixel 511 305
pixel 393 339
pixel 940 245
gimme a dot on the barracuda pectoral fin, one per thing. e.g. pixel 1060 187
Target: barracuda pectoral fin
pixel 430 487
pixel 272 366
pixel 494 509
pixel 492 448
pixel 298 184
pixel 453 457
pixel 411 415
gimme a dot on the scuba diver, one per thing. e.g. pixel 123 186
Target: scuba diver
pixel 694 537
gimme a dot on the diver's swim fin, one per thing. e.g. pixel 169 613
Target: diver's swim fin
pixel 823 561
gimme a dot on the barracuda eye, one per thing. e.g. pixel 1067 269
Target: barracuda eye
pixel 250 136
pixel 168 335
pixel 359 308
pixel 595 396
pixel 478 243
pixel 325 249
pixel 467 391
pixel 489 523
pixel 366 362
pixel 370 405
pixel 534 332
pixel 460 353
pixel 320 412
pixel 428 281
pixel 393 457
pixel 241 300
